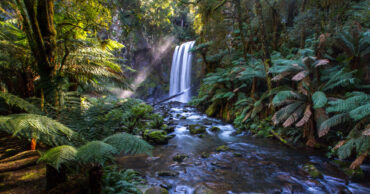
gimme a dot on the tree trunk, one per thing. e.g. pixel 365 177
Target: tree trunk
pixel 33 144
pixel 38 21
pixel 54 177
pixel 240 24
pixel 267 56
pixel 303 37
pixel 95 176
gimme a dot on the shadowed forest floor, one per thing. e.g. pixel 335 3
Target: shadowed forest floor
pixel 25 180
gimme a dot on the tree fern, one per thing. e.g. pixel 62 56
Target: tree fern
pixel 38 127
pixel 14 100
pixel 96 152
pixel 58 156
pixel 128 144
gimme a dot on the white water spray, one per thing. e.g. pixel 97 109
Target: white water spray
pixel 180 79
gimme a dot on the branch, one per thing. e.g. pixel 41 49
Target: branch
pixel 189 3
pixel 219 5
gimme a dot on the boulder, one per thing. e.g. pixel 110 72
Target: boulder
pixel 222 148
pixel 180 157
pixel 167 173
pixel 156 136
pixel 156 190
pixel 215 129
pixel 312 170
pixel 205 155
pixel 197 129
pixel 202 189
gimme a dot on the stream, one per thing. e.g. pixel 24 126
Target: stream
pixel 250 165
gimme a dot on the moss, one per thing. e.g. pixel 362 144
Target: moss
pixel 215 129
pixel 312 171
pixel 156 190
pixel 222 148
pixel 180 157
pixel 211 110
pixel 354 174
pixel 197 129
pixel 237 154
pixel 205 155
pixel 156 136
pixel 33 175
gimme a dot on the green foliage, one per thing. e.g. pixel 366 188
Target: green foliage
pixel 319 99
pixel 128 144
pixel 121 181
pixel 353 110
pixel 18 102
pixel 58 156
pixel 95 152
pixel 38 127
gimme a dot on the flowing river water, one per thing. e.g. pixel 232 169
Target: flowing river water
pixel 251 165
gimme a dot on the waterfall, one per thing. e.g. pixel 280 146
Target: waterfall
pixel 180 79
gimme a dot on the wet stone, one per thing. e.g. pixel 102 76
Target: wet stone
pixel 180 157
pixel 312 171
pixel 205 155
pixel 167 173
pixel 215 129
pixel 222 148
pixel 197 129
pixel 156 190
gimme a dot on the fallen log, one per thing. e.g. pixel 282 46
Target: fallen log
pixel 171 97
pixel 18 164
pixel 21 155
pixel 277 136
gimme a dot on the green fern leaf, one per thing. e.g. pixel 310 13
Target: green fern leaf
pixel 319 99
pixel 127 143
pixel 96 152
pixel 61 155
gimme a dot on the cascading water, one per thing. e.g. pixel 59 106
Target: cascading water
pixel 180 79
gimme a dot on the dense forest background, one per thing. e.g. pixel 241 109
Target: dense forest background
pixel 295 70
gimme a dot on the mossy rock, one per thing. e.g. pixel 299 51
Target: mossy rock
pixel 237 154
pixel 183 117
pixel 170 129
pixel 211 110
pixel 167 173
pixel 164 127
pixel 215 129
pixel 178 115
pixel 156 190
pixel 202 189
pixel 197 129
pixel 180 157
pixel 204 155
pixel 341 163
pixel 354 174
pixel 222 148
pixel 312 171
pixel 156 136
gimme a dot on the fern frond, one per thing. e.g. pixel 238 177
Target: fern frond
pixel 331 122
pixel 96 152
pixel 319 99
pixel 14 100
pixel 360 112
pixel 58 156
pixel 39 127
pixel 285 95
pixel 128 144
